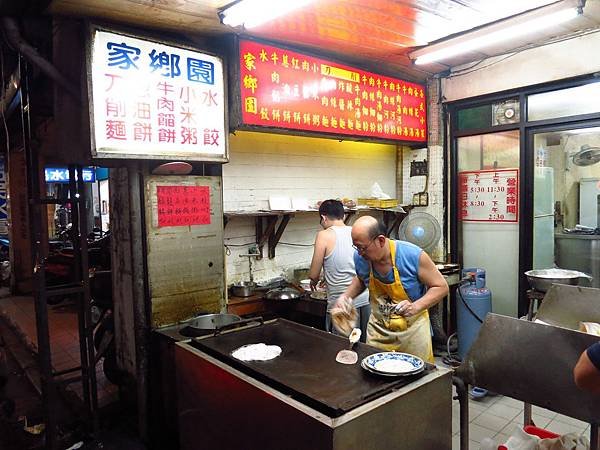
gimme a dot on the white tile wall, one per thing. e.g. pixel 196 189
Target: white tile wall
pixel 265 164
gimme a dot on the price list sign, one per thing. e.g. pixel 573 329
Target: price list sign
pixel 281 88
pixel 152 100
pixel 180 206
pixel 489 196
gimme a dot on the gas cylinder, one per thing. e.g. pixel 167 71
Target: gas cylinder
pixel 473 303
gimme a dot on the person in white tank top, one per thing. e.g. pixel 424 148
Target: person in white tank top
pixel 334 255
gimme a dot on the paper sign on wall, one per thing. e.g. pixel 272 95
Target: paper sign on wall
pixel 489 195
pixel 180 206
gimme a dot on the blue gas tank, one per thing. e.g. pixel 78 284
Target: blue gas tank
pixel 479 301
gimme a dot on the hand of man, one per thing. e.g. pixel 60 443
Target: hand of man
pixel 313 285
pixel 407 308
pixel 343 302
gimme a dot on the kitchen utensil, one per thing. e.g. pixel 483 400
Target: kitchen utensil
pixel 282 294
pixel 542 279
pixel 199 325
pixel 349 356
pixel 243 288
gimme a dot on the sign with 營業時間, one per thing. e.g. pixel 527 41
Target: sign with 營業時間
pixel 285 89
pixel 155 101
pixel 489 195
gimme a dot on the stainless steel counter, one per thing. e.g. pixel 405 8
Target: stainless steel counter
pixel 579 252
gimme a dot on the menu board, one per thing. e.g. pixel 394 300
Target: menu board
pixel 152 100
pixel 183 205
pixel 281 88
pixel 489 195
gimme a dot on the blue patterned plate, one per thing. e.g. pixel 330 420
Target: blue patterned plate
pixel 394 363
pixel 383 374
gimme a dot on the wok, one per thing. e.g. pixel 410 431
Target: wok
pixel 542 279
pixel 197 325
pixel 282 294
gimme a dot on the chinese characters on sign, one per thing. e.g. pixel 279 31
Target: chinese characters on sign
pixel 489 195
pixel 61 174
pixel 183 205
pixel 286 89
pixel 3 201
pixel 154 100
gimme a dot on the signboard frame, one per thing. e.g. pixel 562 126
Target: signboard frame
pixel 92 28
pixel 460 193
pixel 235 105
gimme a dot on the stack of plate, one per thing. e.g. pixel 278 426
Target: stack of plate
pixel 393 364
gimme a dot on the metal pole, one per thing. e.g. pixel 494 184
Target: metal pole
pixel 38 262
pixel 463 400
pixel 594 442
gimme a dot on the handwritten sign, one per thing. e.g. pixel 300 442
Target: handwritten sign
pixel 489 196
pixel 286 89
pixel 180 206
pixel 153 100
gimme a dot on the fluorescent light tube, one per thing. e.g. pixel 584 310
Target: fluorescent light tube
pixel 252 13
pixel 483 39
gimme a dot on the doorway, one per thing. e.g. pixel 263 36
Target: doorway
pixel 566 200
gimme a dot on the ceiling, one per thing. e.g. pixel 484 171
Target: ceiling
pixel 375 32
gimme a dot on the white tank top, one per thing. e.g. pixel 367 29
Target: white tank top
pixel 339 270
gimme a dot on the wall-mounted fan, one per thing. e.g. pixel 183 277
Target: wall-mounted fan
pixel 505 112
pixel 421 229
pixel 586 156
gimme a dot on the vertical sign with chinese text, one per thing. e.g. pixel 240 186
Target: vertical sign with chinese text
pixel 152 100
pixel 180 206
pixel 489 196
pixel 3 200
pixel 286 89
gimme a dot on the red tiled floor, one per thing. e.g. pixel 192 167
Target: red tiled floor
pixel 64 340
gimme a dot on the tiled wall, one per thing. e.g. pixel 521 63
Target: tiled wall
pixel 263 165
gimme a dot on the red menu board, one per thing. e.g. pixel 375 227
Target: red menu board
pixel 285 89
pixel 489 195
pixel 180 206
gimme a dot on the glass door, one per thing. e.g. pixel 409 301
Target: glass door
pixel 566 200
pixel 488 212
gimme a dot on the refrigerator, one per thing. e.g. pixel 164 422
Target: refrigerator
pixel 589 202
pixel 543 218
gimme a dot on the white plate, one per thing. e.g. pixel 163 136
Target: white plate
pixel 394 363
pixel 362 364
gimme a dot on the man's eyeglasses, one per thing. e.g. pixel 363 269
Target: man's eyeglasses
pixel 363 248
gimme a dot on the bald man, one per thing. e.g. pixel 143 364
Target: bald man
pixel 403 284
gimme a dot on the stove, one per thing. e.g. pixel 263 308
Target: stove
pixel 303 399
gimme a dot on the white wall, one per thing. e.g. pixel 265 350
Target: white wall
pixel 264 164
pixel 551 62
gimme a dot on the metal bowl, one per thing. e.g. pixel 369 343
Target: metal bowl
pixel 213 321
pixel 243 289
pixel 282 294
pixel 542 279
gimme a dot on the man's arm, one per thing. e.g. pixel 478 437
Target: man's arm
pixel 318 257
pixel 437 288
pixel 586 374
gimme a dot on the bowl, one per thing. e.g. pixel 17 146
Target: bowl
pixel 243 289
pixel 542 279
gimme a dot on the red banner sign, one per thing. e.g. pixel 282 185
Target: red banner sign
pixel 489 195
pixel 285 89
pixel 180 206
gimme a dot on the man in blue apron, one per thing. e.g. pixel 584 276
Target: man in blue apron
pixel 403 283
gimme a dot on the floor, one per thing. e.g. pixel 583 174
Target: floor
pixel 64 341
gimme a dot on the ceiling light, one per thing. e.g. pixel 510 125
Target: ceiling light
pixel 252 13
pixel 505 30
